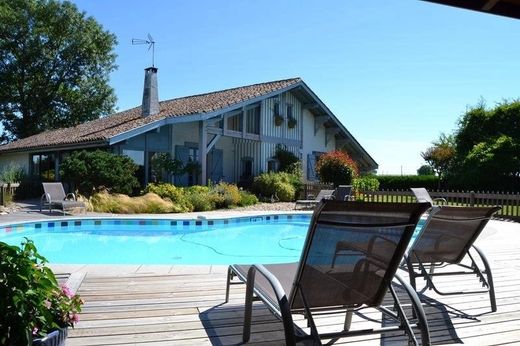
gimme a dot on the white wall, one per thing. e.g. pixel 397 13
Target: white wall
pixel 16 160
pixel 313 142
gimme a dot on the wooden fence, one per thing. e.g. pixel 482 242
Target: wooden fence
pixel 510 202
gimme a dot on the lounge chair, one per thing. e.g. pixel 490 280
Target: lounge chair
pixel 377 235
pixel 445 240
pixel 342 193
pixel 311 203
pixel 55 196
pixel 422 195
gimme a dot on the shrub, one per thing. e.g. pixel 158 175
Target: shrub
pixel 149 203
pixel 404 182
pixel 286 158
pixel 200 198
pixel 33 304
pixel 12 174
pixel 247 198
pixel 336 167
pixel 227 195
pixel 92 171
pixel 365 183
pixel 172 193
pixel 276 185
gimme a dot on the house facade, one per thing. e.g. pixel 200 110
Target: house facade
pixel 231 134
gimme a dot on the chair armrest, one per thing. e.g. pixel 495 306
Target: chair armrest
pixel 47 198
pixel 71 195
pixel 440 199
pixel 273 280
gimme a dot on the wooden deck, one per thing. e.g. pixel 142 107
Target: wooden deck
pixel 178 308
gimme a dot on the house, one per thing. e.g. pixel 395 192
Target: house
pixel 231 133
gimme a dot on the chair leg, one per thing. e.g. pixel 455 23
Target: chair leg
pixel 228 283
pixel 348 320
pixel 248 309
pixel 418 311
pixel 491 287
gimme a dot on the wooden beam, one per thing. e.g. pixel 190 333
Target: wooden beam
pixel 489 5
pixel 212 142
pixel 319 121
pixel 309 105
pixel 203 153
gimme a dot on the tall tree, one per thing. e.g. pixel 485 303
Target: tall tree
pixel 440 155
pixel 54 67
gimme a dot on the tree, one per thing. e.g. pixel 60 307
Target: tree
pixel 425 170
pixel 54 67
pixel 336 167
pixel 93 171
pixel 440 155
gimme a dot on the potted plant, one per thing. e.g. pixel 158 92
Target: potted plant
pixel 278 119
pixel 291 123
pixel 34 308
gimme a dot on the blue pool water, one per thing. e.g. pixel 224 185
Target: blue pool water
pixel 246 240
pixel 264 239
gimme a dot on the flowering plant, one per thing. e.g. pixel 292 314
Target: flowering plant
pixel 33 303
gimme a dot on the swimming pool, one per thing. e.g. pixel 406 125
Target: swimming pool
pixel 258 239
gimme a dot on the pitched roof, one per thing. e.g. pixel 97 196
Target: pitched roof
pixel 101 130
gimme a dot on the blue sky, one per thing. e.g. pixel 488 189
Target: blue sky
pixel 396 73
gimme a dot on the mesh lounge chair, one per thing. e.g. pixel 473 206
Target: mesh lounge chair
pixel 311 203
pixel 446 239
pixel 342 193
pixel 54 196
pixel 376 234
pixel 422 195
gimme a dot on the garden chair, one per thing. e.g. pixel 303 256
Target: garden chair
pixel 311 203
pixel 444 241
pixel 342 193
pixel 422 195
pixel 55 196
pixel 376 235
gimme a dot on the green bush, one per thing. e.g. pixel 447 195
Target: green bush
pixel 365 183
pixel 226 195
pixel 404 182
pixel 247 198
pixel 201 198
pixel 92 171
pixel 336 167
pixel 172 193
pixel 12 174
pixel 279 185
pixel 286 159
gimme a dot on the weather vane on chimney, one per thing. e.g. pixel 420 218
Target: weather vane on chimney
pixel 151 45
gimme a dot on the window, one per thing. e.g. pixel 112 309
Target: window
pixel 247 168
pixel 276 109
pixel 253 120
pixel 234 123
pixel 272 165
pixel 44 166
pixel 289 111
pixel 192 166
pixel 136 155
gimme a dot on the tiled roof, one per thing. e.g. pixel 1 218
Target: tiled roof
pixel 104 128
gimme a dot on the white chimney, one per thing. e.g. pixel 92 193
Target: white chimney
pixel 150 92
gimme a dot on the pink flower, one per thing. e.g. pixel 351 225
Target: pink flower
pixel 47 304
pixel 67 291
pixel 35 331
pixel 75 318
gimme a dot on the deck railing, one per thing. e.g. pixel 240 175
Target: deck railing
pixel 510 202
